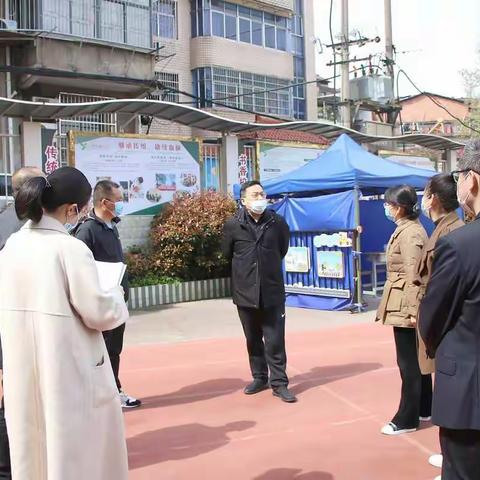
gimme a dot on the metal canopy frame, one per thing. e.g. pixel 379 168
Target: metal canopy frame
pixel 201 119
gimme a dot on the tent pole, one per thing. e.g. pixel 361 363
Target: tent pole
pixel 358 306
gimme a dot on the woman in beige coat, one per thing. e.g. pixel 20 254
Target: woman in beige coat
pixel 63 414
pixel 399 306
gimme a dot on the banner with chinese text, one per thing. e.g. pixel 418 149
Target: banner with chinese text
pixel 149 171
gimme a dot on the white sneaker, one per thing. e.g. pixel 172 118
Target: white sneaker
pixel 436 460
pixel 128 402
pixel 392 429
pixel 425 419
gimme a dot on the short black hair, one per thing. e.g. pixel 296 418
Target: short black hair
pixel 443 186
pixel 246 185
pixel 404 196
pixel 66 185
pixel 103 189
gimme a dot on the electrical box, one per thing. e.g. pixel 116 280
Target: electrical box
pixel 371 87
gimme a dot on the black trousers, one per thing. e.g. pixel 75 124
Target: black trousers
pixel 5 470
pixel 416 397
pixel 265 334
pixel 461 454
pixel 114 342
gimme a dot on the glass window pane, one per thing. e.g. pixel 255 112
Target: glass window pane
pixel 269 36
pixel 257 30
pixel 299 67
pixel 112 27
pixel 138 26
pixel 269 17
pixel 231 8
pixel 282 39
pixel 245 30
pixel 206 23
pixel 218 28
pixel 218 5
pixel 298 26
pixel 244 11
pixel 257 14
pixel 281 22
pixel 230 27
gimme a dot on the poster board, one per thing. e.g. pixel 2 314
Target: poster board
pixel 330 264
pixel 276 159
pixel 297 260
pixel 149 170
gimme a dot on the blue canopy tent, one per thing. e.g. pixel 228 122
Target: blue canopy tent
pixel 322 197
pixel 346 166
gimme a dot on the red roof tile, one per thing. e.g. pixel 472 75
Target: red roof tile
pixel 279 135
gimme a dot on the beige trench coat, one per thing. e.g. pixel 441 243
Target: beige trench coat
pixel 399 305
pixel 423 272
pixel 62 408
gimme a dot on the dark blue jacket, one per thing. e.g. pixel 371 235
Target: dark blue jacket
pixel 449 322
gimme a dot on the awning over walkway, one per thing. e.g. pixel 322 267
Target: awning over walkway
pixel 196 118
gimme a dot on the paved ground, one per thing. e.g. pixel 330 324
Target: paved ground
pixel 188 364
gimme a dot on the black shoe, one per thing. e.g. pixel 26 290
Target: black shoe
pixel 285 394
pixel 255 387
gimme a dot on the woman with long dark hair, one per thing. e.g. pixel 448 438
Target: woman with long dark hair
pixel 63 414
pixel 399 307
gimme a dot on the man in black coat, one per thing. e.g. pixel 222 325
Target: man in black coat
pixel 256 241
pixel 449 323
pixel 101 236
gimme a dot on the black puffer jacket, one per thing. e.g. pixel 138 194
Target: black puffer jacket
pixel 257 277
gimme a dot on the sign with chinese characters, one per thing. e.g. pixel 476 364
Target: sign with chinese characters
pixel 149 171
pixel 242 169
pixel 50 153
pixel 340 239
pixel 277 159
pixel 297 260
pixel 330 264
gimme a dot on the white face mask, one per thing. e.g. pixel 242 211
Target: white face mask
pixel 258 206
pixel 425 208
pixel 464 197
pixel 71 226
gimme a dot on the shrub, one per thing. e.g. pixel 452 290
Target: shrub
pixel 185 238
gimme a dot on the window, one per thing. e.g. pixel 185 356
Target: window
pixel 257 33
pixel 165 18
pixel 117 21
pixel 245 30
pixel 243 90
pixel 167 87
pixel 269 36
pixel 239 23
pixel 230 27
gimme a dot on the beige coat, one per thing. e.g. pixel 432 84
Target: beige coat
pixel 423 272
pixel 62 408
pixel 399 305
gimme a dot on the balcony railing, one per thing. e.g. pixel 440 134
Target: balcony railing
pixel 127 22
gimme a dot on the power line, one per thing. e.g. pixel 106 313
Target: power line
pixel 435 101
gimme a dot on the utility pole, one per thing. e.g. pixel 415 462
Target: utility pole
pixel 388 40
pixel 346 114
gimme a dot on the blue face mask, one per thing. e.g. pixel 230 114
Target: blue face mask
pixel 69 227
pixel 388 213
pixel 118 208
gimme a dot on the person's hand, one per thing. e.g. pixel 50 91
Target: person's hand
pixel 413 320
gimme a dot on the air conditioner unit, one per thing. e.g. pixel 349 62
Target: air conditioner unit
pixel 6 24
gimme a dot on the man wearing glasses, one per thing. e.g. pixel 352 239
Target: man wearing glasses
pixel 255 241
pixel 449 322
pixel 100 234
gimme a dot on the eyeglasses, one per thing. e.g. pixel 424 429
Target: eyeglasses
pixel 456 173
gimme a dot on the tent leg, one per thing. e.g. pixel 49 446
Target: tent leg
pixel 359 305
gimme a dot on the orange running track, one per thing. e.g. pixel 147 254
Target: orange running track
pixel 196 423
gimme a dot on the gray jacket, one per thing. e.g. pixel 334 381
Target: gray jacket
pixel 9 223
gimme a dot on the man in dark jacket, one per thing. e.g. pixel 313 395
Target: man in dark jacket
pixel 255 241
pixel 449 323
pixel 101 236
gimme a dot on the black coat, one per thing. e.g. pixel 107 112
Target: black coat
pixel 256 262
pixel 449 322
pixel 103 241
